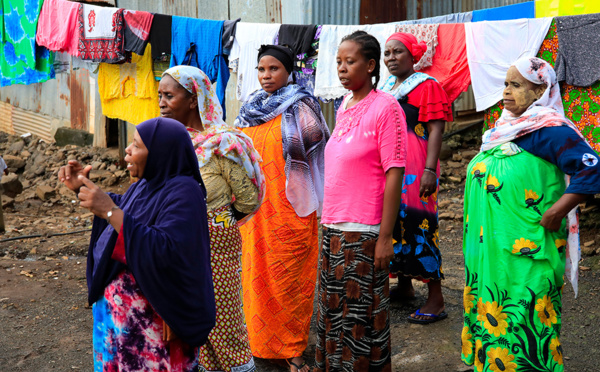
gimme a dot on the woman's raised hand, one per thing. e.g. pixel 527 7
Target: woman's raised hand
pixel 69 174
pixel 93 198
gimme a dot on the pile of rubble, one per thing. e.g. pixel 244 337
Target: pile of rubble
pixel 33 166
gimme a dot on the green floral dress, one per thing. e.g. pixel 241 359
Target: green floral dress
pixel 514 267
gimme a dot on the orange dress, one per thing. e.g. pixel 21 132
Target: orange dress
pixel 279 259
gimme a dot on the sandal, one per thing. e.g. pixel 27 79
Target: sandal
pixel 434 318
pixel 298 367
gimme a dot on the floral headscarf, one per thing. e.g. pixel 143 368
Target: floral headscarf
pixel 218 137
pixel 547 111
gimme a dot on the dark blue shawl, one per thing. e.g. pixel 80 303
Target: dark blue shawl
pixel 166 236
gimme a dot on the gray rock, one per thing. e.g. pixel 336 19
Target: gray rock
pixel 45 192
pixel 96 165
pixel 14 163
pixel 17 147
pixel 99 175
pixel 469 154
pixel 40 169
pixel 40 158
pixel 445 152
pixel 7 201
pixel 67 136
pixel 11 185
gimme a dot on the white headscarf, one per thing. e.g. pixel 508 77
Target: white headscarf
pixel 547 111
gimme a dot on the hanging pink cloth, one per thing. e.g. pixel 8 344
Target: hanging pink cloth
pixel 450 67
pixel 57 26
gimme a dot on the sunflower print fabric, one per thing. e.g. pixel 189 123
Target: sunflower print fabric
pixel 582 105
pixel 514 267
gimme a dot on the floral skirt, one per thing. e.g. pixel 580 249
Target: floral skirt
pixel 128 333
pixel 353 327
pixel 416 232
pixel 227 348
pixel 514 267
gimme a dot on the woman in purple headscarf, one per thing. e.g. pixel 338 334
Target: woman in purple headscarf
pixel 148 272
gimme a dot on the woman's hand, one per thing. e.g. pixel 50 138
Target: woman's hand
pixel 93 198
pixel 428 184
pixel 69 174
pixel 384 253
pixel 551 220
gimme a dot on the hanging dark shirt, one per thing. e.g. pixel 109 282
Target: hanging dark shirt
pixel 299 38
pixel 160 35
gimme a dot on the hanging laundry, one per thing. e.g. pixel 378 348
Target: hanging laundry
pixel 101 33
pixel 505 13
pixel 298 38
pixel 160 36
pixel 488 65
pixel 448 18
pixel 248 38
pixel 128 91
pixel 21 60
pixel 306 63
pixel 327 84
pixel 63 35
pixel 137 30
pixel 578 62
pixel 555 8
pixel 581 104
pixel 229 35
pixel 198 42
pixel 449 65
pixel 423 32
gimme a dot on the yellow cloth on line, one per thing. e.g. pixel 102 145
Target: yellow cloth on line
pixel 555 8
pixel 128 91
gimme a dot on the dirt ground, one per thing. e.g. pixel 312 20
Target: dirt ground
pixel 46 324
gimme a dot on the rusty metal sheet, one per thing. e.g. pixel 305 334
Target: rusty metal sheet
pixel 6 110
pixel 273 11
pixel 382 11
pixel 80 98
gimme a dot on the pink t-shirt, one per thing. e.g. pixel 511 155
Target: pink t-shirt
pixel 368 140
pixel 57 26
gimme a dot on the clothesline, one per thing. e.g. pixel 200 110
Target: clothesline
pixel 475 51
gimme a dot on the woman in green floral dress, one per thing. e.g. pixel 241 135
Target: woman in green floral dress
pixel 518 244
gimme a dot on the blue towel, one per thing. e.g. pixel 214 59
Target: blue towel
pixel 205 38
pixel 505 13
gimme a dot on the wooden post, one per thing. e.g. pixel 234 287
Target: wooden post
pixel 122 142
pixel 2 229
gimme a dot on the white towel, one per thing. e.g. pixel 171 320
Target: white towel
pixel 492 47
pixel 248 38
pixel 327 84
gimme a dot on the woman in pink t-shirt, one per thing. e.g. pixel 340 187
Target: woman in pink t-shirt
pixel 364 166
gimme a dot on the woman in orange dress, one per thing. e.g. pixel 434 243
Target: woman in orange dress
pixel 280 244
